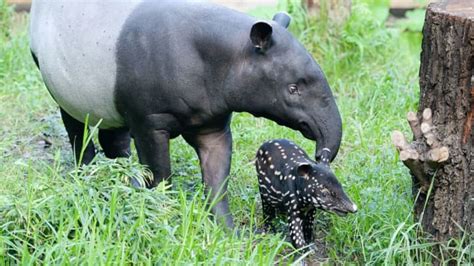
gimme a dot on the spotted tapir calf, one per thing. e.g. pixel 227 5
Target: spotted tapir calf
pixel 292 184
pixel 156 70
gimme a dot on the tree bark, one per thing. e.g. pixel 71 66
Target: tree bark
pixel 443 185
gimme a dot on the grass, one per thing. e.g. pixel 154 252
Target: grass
pixel 53 213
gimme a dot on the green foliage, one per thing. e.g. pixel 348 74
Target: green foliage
pixel 414 20
pixel 379 9
pixel 94 216
pixel 53 213
pixel 5 20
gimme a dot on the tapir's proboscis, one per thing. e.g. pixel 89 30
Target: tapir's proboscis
pixel 155 70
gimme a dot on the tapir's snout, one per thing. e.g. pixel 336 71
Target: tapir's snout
pixel 343 211
pixel 344 204
pixel 352 208
pixel 346 207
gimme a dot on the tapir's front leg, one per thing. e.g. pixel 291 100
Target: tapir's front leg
pixel 295 223
pixel 308 222
pixel 215 153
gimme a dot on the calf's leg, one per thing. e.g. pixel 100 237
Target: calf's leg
pixel 269 215
pixel 295 224
pixel 308 222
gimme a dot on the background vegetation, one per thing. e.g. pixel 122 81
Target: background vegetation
pixel 51 212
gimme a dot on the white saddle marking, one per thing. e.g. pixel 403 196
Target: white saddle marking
pixel 75 42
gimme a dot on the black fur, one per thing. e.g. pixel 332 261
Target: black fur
pixel 180 74
pixel 292 184
pixel 183 68
pixel 115 142
pixel 75 132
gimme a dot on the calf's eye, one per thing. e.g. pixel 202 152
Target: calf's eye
pixel 325 191
pixel 293 89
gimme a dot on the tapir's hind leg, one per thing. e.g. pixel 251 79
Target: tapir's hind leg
pixel 115 142
pixel 269 213
pixel 75 131
pixel 35 58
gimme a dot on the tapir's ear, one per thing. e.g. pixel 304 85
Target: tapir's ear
pixel 261 35
pixel 304 170
pixel 282 18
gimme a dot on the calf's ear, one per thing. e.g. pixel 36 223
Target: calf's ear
pixel 282 18
pixel 304 170
pixel 261 35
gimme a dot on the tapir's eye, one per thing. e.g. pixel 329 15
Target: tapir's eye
pixel 325 192
pixel 293 89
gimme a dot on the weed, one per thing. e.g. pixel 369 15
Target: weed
pixel 53 213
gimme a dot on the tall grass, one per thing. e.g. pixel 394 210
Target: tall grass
pixel 53 213
pixel 374 74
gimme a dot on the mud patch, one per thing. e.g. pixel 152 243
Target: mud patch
pixel 44 144
pixel 319 256
pixel 319 249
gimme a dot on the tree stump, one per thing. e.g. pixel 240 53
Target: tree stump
pixel 441 156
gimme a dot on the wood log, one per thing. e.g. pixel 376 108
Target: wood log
pixel 446 111
pixel 415 126
pixel 447 63
pixel 424 155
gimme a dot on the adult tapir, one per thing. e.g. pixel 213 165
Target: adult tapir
pixel 160 69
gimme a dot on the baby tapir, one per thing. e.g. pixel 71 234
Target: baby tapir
pixel 294 185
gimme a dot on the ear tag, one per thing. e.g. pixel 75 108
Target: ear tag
pixel 325 156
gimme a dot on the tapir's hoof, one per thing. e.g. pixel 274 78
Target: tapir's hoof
pixel 136 183
pixel 312 247
pixel 265 230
